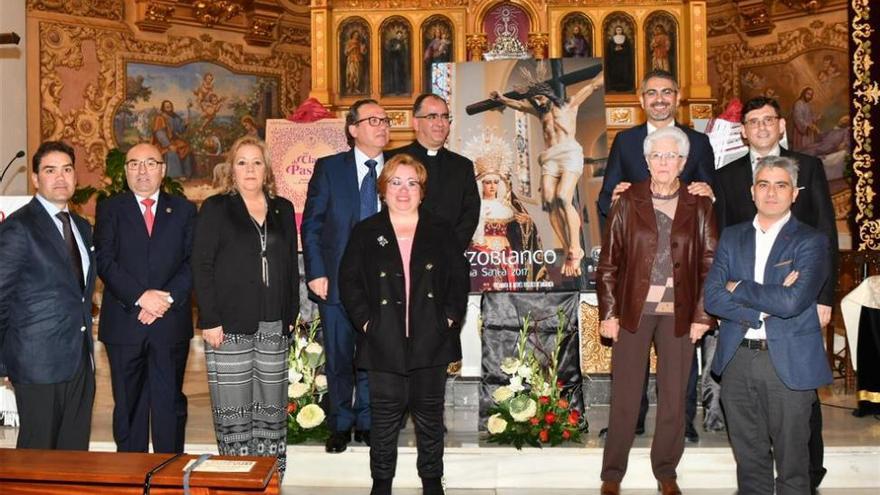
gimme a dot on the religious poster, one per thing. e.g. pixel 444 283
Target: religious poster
pixel 293 150
pixel 620 66
pixel 529 127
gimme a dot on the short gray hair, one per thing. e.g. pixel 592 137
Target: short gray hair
pixel 788 164
pixel 668 132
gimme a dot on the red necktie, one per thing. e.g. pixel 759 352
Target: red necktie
pixel 148 214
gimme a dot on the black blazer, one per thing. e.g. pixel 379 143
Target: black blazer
pixel 733 204
pixel 451 190
pixel 130 261
pixel 44 315
pixel 626 161
pixel 371 286
pixel 226 263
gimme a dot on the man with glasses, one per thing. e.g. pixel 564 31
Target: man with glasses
pixel 342 192
pixel 452 188
pixel 143 242
pixel 47 278
pixel 660 97
pixel 763 128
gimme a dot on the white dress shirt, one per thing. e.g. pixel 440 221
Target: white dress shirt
pixel 360 159
pixel 53 210
pixel 154 197
pixel 754 155
pixel 763 244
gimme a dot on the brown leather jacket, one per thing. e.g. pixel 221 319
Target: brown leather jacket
pixel 628 249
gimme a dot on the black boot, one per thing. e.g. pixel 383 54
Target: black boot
pixel 432 486
pixel 381 487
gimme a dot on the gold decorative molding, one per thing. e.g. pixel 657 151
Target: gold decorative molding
pixel 866 95
pixel 212 12
pixel 538 44
pixel 105 9
pixel 476 44
pixel 700 110
pixel 89 124
pixel 295 36
pixel 156 18
pixel 596 354
pixel 620 116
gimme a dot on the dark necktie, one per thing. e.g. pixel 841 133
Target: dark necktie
pixel 368 190
pixel 75 258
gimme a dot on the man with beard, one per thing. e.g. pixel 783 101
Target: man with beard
pixel 451 192
pixel 660 97
pixel 168 129
pixel 805 128
pixel 562 161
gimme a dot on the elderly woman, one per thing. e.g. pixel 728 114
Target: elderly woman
pixel 403 282
pixel 658 245
pixel 247 286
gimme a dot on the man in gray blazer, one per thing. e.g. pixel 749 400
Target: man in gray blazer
pixel 47 276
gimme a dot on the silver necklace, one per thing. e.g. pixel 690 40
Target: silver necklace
pixel 263 232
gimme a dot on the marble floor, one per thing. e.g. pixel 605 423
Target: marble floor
pixel 841 430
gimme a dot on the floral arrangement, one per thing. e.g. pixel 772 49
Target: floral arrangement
pixel 531 409
pixel 305 416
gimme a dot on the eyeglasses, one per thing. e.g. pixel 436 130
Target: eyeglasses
pixel 400 183
pixel 375 121
pixel 436 117
pixel 665 92
pixel 150 164
pixel 765 121
pixel 669 155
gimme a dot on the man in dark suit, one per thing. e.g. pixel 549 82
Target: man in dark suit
pixel 452 188
pixel 763 128
pixel 764 284
pixel 47 277
pixel 343 191
pixel 660 96
pixel 143 241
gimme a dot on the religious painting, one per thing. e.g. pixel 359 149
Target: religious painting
pixel 529 127
pixel 396 36
pixel 812 90
pixel 193 113
pixel 620 67
pixel 437 46
pixel 577 35
pixel 661 42
pixel 507 28
pixel 354 58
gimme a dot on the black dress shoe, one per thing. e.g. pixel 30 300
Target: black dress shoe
pixel 337 442
pixel 432 486
pixel 640 429
pixel 362 436
pixel 690 434
pixel 381 487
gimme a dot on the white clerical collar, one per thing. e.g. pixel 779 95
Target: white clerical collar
pixel 431 152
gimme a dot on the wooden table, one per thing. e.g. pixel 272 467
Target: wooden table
pixel 51 472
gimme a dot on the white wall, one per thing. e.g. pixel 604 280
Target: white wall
pixel 13 95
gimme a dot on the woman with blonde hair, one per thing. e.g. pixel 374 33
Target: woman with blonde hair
pixel 247 286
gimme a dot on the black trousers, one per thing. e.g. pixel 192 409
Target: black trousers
pixel 57 415
pixel 391 396
pixel 148 396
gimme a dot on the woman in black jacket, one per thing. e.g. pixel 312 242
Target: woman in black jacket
pixel 403 282
pixel 247 286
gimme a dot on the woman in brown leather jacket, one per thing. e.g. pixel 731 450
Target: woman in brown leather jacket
pixel 658 246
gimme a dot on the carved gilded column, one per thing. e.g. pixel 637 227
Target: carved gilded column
pixel 476 45
pixel 699 98
pixel 538 43
pixel 321 51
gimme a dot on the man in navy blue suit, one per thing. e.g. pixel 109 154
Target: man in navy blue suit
pixel 143 241
pixel 660 97
pixel 764 285
pixel 343 191
pixel 47 276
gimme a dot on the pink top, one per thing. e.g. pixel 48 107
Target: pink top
pixel 405 245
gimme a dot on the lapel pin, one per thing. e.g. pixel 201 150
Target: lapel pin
pixel 167 210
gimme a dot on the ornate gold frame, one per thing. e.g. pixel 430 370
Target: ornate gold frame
pixel 865 96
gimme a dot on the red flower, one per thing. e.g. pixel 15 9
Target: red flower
pixel 291 408
pixel 544 436
pixel 549 418
pixel 534 421
pixel 566 434
pixel 562 404
pixel 559 384
pixel 573 418
pixel 544 400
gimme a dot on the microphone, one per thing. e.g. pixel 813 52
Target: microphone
pixel 16 157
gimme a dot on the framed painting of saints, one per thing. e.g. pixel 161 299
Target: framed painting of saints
pixel 437 46
pixel 396 36
pixel 577 35
pixel 661 39
pixel 354 57
pixel 620 68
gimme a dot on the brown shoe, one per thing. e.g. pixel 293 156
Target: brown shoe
pixel 668 487
pixel 610 488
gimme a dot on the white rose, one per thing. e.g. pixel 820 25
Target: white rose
pixel 496 424
pixel 314 348
pixel 297 390
pixel 524 371
pixel 501 394
pixel 509 365
pixel 293 375
pixel 321 382
pixel 516 384
pixel 310 416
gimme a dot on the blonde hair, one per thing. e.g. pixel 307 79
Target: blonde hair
pixel 390 167
pixel 228 175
